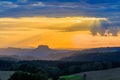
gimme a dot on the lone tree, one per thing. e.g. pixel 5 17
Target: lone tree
pixel 19 76
pixel 85 76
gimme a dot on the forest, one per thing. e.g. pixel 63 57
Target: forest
pixel 53 69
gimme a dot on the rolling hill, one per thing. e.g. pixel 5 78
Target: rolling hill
pixel 43 52
pixel 111 74
pixel 96 54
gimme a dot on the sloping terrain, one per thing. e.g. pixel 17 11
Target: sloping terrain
pixel 43 52
pixel 97 54
pixel 111 74
pixel 4 75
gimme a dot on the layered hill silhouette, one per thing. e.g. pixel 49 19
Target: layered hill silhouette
pixel 43 52
pixel 111 54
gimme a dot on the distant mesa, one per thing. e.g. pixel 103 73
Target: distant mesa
pixel 43 47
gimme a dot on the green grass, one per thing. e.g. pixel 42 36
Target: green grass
pixel 71 77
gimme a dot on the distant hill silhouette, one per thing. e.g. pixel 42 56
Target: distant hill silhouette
pixel 43 52
pixel 96 54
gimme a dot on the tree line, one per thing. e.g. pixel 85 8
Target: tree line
pixel 51 69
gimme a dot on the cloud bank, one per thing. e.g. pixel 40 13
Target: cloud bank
pixel 61 8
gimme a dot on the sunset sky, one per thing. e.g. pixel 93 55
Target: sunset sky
pixel 60 24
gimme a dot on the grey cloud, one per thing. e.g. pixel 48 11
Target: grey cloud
pixel 4 4
pixel 105 29
pixel 23 1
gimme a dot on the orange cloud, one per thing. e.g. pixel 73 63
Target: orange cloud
pixel 65 32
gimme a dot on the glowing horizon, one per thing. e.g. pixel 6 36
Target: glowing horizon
pixel 56 32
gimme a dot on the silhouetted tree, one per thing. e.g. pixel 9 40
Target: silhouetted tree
pixel 20 76
pixel 28 76
pixel 54 73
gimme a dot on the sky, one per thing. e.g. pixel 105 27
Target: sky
pixel 60 24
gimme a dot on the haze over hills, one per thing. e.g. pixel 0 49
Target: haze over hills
pixel 96 54
pixel 43 52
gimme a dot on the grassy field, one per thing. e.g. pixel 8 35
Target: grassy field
pixel 71 77
pixel 111 74
pixel 4 75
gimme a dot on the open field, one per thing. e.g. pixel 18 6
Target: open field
pixel 71 77
pixel 4 75
pixel 112 74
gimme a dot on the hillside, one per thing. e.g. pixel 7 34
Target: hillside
pixel 111 74
pixel 97 54
pixel 4 75
pixel 42 52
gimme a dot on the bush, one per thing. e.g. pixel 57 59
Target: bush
pixel 19 76
pixel 28 76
